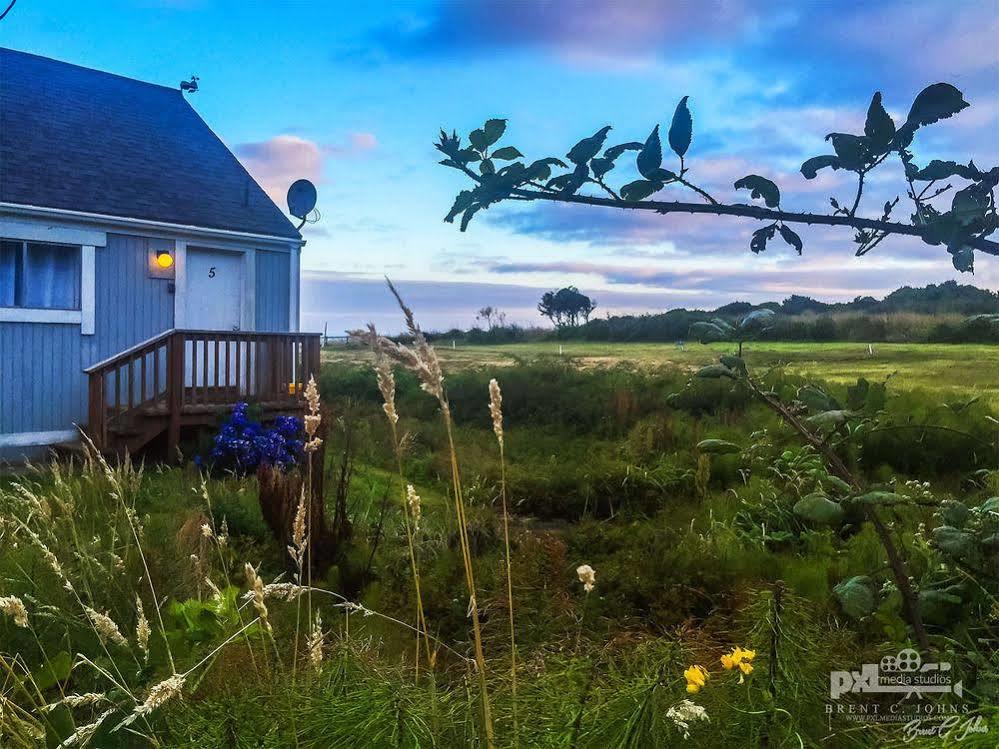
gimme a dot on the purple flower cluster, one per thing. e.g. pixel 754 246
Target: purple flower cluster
pixel 243 445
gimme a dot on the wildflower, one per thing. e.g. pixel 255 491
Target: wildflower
pixel 696 676
pixel 162 693
pixel 587 576
pixel 684 713
pixel 413 499
pixel 105 627
pixel 206 531
pixel 13 607
pixel 496 409
pixel 142 630
pixel 741 659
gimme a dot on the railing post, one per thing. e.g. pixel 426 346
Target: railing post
pixel 175 391
pixel 97 410
pixel 313 364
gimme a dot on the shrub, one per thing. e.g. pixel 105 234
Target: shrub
pixel 243 445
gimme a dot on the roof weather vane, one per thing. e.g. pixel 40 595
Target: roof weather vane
pixel 190 86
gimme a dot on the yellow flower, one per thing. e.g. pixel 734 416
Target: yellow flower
pixel 746 668
pixel 728 661
pixel 695 676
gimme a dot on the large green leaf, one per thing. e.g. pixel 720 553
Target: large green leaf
pixel 493 130
pixel 879 128
pixel 614 151
pixel 791 237
pixel 852 150
pixel 810 168
pixel 936 102
pixel 734 363
pixel 954 513
pixel 507 153
pixel 880 498
pixel 938 169
pixel 819 510
pixel 758 320
pixel 707 332
pixel 955 542
pixel 761 188
pixel 856 596
pixel 830 418
pixel 587 148
pixel 681 130
pixel 650 158
pixel 718 447
pixel 940 606
pixel 55 670
pixel 760 238
pixel 817 399
pixel 640 189
pixel 541 169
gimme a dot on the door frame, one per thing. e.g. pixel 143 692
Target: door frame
pixel 248 298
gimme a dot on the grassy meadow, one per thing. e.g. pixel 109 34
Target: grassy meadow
pixel 142 625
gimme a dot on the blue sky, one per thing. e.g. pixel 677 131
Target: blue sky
pixel 352 95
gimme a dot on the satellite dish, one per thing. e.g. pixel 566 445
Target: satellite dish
pixel 301 198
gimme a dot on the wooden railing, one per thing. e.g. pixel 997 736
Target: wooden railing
pixel 181 372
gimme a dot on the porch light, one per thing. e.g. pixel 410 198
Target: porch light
pixel 164 259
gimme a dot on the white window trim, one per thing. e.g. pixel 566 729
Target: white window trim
pixel 85 317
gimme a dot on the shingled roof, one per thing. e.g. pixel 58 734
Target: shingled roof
pixel 85 140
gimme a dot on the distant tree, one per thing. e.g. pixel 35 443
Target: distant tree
pixel 566 307
pixel 492 317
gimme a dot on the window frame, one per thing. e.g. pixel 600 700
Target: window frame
pixel 84 314
pixel 25 263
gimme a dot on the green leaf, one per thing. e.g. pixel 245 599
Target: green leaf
pixel 758 320
pixel 934 103
pixel 601 166
pixel 541 169
pixel 957 543
pixel 478 139
pixel 879 128
pixel 487 167
pixel 816 399
pixel 734 363
pixel 830 418
pixel 954 513
pixel 718 447
pixel 707 332
pixel 640 189
pixel 507 153
pixel 467 216
pixel 468 155
pixel 819 510
pixel 810 168
pixel 940 606
pixel 937 169
pixel 971 204
pixel 760 238
pixel 856 596
pixel 587 148
pixel 650 158
pixel 963 259
pixel 681 130
pixel 57 669
pixel 714 371
pixel 880 498
pixel 614 151
pixel 761 188
pixel 461 202
pixel 791 237
pixel 493 131
pixel 852 150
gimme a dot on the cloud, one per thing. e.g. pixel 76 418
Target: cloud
pixel 598 31
pixel 279 161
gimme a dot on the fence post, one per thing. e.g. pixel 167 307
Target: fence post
pixel 175 391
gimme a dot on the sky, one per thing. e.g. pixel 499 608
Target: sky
pixel 352 95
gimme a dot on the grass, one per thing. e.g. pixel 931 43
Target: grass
pixel 957 371
pixel 693 557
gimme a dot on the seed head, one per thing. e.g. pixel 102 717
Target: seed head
pixel 142 630
pixel 106 628
pixel 587 576
pixel 13 607
pixel 496 409
pixel 162 693
pixel 413 500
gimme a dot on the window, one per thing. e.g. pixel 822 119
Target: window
pixel 34 275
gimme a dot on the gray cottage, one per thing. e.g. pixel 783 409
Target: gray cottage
pixel 147 282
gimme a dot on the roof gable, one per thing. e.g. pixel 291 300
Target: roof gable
pixel 85 140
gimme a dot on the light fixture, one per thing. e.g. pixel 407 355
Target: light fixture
pixel 164 259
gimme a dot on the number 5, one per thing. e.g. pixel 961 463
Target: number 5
pixel 211 272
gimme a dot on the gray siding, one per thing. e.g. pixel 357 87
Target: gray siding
pixel 42 385
pixel 273 293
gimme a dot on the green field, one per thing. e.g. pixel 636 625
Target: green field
pixel 951 371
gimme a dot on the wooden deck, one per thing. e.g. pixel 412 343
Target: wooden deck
pixel 186 378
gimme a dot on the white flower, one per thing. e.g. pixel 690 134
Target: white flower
pixel 413 499
pixel 587 576
pixel 206 530
pixel 684 713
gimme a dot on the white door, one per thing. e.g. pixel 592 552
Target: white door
pixel 214 302
pixel 214 290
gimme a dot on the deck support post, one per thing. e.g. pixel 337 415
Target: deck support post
pixel 175 392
